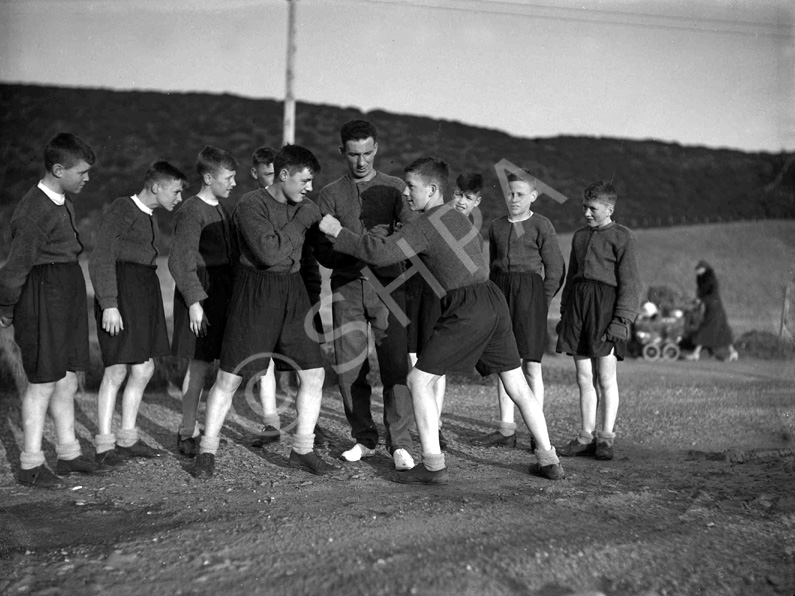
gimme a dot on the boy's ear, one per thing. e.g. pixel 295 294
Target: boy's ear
pixel 342 150
pixel 533 196
pixel 58 170
pixel 477 201
pixel 254 173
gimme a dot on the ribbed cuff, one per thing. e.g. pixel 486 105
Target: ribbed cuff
pixel 507 429
pixel 127 437
pixel 28 461
pixel 547 458
pixel 303 444
pixel 105 442
pixel 209 444
pixel 68 451
pixel 433 461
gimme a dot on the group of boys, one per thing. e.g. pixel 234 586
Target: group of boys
pixel 247 293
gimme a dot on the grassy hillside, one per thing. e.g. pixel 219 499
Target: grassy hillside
pixel 660 184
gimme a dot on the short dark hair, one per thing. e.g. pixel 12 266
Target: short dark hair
pixel 263 155
pixel 469 182
pixel 295 158
pixel 431 169
pixel 601 190
pixel 357 130
pixel 162 170
pixel 522 176
pixel 211 159
pixel 67 149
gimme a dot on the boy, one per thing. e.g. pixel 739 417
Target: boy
pixel 424 306
pixel 270 305
pixel 599 302
pixel 474 328
pixel 364 199
pixel 201 260
pixel 262 172
pixel 527 265
pixel 43 293
pixel 128 307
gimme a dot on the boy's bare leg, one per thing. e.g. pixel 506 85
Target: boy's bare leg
pixel 34 414
pixel 532 372
pixel 219 400
pixel 112 379
pixel 62 408
pixel 308 400
pixel 518 390
pixel 588 396
pixel 192 387
pixel 267 391
pixel 140 374
pixel 438 395
pixel 426 412
pixel 608 391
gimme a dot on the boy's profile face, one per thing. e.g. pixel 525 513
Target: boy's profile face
pixel 263 174
pixel 221 182
pixel 72 179
pixel 465 202
pixel 296 186
pixel 597 213
pixel 520 197
pixel 360 157
pixel 417 192
pixel 168 193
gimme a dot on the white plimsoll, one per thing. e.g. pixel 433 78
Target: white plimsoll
pixel 357 452
pixel 402 459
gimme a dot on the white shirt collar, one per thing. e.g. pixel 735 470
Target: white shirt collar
pixel 141 206
pixel 211 202
pixel 54 196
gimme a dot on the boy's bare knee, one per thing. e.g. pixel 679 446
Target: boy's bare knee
pixel 115 374
pixel 313 377
pixel 143 371
pixel 227 382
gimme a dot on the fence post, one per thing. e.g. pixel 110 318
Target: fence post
pixel 787 323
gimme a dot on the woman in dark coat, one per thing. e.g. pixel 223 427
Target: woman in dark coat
pixel 714 332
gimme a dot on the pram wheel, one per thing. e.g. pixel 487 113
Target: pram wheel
pixel 651 352
pixel 670 352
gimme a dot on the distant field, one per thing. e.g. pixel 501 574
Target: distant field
pixel 753 262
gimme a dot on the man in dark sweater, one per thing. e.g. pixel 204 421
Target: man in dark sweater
pixel 43 293
pixel 474 328
pixel 363 199
pixel 269 313
pixel 128 307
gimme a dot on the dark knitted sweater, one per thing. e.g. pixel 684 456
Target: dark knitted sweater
pixel 527 246
pixel 270 236
pixel 608 255
pixel 41 233
pixel 443 237
pixel 202 238
pixel 126 234
pixel 359 207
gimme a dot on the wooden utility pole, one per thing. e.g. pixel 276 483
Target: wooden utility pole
pixel 288 136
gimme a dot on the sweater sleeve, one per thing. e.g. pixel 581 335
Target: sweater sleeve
pixel 552 257
pixel 184 257
pixel 379 250
pixel 310 270
pixel 629 283
pixel 570 275
pixel 268 244
pixel 102 264
pixel 492 246
pixel 26 245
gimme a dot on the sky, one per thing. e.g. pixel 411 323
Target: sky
pixel 715 73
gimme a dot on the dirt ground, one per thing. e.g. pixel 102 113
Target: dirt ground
pixel 699 500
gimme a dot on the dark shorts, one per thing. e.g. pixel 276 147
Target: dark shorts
pixel 51 322
pixel 217 283
pixel 140 304
pixel 527 303
pixel 585 322
pixel 269 314
pixel 474 330
pixel 423 308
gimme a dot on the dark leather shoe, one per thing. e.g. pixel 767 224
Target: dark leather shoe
pixel 494 439
pixel 604 450
pixel 204 467
pixel 313 463
pixel 39 477
pixel 110 459
pixel 551 472
pixel 574 447
pixel 269 434
pixel 419 474
pixel 188 447
pixel 139 449
pixel 80 465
